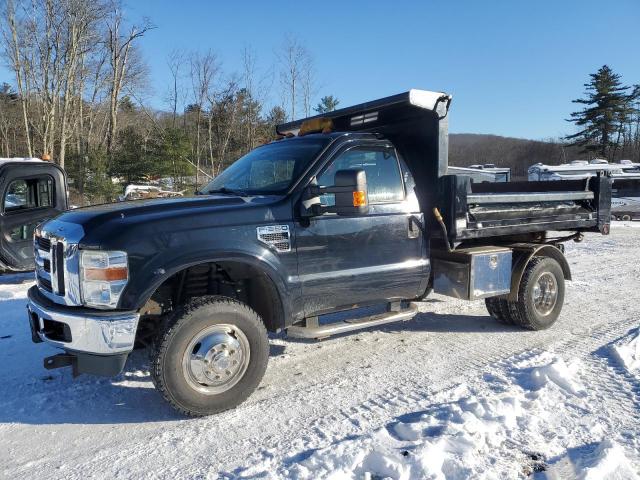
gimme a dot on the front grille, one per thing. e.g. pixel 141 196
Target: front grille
pixel 43 243
pixel 57 260
pixel 45 284
pixel 57 267
pixel 50 257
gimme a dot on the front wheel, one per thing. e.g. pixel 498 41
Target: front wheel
pixel 540 295
pixel 210 356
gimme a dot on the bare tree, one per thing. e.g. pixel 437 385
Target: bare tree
pixel 224 109
pixel 120 47
pixel 258 84
pixel 308 83
pixel 249 80
pixel 204 68
pixel 81 37
pixel 13 48
pixel 175 61
pixel 292 58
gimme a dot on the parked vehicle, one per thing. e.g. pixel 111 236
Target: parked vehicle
pixel 32 191
pixel 349 208
pixel 625 175
pixel 482 173
pixel 138 192
pixel 625 197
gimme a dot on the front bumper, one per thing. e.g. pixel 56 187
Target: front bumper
pixel 81 330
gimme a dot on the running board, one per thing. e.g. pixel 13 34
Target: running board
pixel 322 331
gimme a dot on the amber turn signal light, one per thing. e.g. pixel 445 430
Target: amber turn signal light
pixel 106 274
pixel 359 199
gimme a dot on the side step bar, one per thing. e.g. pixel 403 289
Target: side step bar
pixel 322 331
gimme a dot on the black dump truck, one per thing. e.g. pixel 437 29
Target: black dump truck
pixel 32 191
pixel 347 209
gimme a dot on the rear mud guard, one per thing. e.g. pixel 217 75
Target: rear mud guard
pixel 523 253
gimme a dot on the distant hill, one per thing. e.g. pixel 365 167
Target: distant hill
pixel 519 154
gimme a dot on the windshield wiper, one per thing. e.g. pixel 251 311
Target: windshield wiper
pixel 227 191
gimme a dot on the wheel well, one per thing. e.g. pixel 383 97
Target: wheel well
pixel 555 253
pixel 523 257
pixel 234 279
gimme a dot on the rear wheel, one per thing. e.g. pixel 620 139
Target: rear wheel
pixel 211 355
pixel 498 308
pixel 626 218
pixel 540 295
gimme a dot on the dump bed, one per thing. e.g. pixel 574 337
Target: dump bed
pixel 481 210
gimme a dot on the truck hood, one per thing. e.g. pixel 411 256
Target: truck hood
pixel 104 221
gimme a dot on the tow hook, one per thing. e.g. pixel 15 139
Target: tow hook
pixel 62 360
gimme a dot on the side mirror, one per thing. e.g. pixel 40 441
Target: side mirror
pixel 350 190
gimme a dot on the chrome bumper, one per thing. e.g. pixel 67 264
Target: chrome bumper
pixel 101 334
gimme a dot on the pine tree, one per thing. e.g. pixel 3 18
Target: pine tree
pixel 607 109
pixel 327 104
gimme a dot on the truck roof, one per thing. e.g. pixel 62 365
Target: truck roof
pixel 4 161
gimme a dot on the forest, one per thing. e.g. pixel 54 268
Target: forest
pixel 77 99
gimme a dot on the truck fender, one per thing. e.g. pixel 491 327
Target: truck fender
pixel 179 264
pixel 523 255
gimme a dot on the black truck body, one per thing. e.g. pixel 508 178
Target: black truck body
pixel 285 253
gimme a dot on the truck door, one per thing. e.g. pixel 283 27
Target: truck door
pixel 28 199
pixel 347 261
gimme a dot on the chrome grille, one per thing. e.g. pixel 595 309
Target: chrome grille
pixel 43 243
pixel 46 284
pixel 57 263
pixel 49 255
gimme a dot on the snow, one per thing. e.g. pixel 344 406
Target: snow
pixel 603 460
pixel 627 352
pixel 4 160
pixel 426 99
pixel 627 224
pixel 449 395
pixel 463 430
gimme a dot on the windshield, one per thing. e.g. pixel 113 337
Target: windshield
pixel 271 168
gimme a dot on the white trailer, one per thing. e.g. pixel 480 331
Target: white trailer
pixel 482 173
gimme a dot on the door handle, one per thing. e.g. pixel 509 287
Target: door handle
pixel 413 230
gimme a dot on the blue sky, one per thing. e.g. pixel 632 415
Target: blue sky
pixel 513 67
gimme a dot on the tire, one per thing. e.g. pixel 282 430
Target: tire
pixel 626 218
pixel 540 295
pixel 499 309
pixel 210 356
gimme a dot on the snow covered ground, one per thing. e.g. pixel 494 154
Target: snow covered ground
pixel 448 395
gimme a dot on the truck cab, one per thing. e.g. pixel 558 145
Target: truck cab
pixel 347 209
pixel 32 191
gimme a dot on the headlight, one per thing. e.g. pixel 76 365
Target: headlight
pixel 103 276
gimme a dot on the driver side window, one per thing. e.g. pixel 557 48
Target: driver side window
pixel 384 183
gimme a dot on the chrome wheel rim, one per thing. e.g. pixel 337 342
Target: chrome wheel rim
pixel 216 359
pixel 545 293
